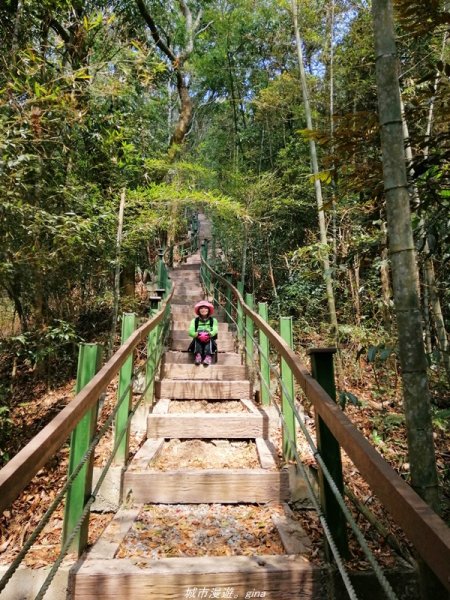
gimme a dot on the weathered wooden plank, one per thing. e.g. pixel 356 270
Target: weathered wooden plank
pixel 224 358
pixel 276 577
pixel 251 406
pixel 188 389
pixel 187 301
pixel 218 372
pixel 161 407
pixel 147 452
pixel 294 538
pixel 267 453
pixel 205 426
pixel 188 290
pixel 109 541
pixel 221 486
pixel 189 266
pixel 183 344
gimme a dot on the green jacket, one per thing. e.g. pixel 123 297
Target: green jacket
pixel 204 326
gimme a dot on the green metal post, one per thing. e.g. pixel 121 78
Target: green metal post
pixel 288 396
pixel 264 356
pixel 161 266
pixel 216 294
pixel 151 358
pixel 228 306
pixel 128 326
pixel 89 360
pixel 240 312
pixel 323 371
pixel 249 328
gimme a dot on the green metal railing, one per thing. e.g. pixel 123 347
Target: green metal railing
pixel 80 419
pixel 333 431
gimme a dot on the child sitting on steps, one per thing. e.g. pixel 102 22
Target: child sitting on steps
pixel 204 329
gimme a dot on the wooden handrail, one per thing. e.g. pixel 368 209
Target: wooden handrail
pixel 425 529
pixel 21 469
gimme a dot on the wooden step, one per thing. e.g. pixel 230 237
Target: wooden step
pixel 188 300
pixel 217 371
pixel 277 577
pixel 207 426
pixel 188 389
pixel 186 358
pixel 189 266
pixel 187 278
pixel 221 486
pixel 194 291
pixel 227 345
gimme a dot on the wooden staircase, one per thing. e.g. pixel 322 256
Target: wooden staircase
pixel 278 577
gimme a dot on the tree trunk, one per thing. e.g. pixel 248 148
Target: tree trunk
pixel 315 169
pixel 185 116
pixel 116 290
pixel 428 267
pixel 404 271
pixel 416 395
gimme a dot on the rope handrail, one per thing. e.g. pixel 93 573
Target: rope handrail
pixel 311 493
pixel 21 469
pixel 425 529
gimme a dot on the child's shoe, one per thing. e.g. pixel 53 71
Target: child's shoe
pixel 198 358
pixel 207 360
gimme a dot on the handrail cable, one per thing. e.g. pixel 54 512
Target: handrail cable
pixel 425 529
pixel 162 335
pixel 376 567
pixel 19 471
pixel 44 588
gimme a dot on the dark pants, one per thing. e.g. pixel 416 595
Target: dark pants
pixel 198 347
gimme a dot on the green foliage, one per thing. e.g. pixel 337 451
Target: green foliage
pixel 34 348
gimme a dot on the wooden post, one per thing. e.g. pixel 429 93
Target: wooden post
pixel 240 313
pixel 128 326
pixel 323 371
pixel 249 345
pixel 264 357
pixel 89 360
pixel 288 396
pixel 228 308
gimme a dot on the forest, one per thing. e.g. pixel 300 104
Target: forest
pixel 263 114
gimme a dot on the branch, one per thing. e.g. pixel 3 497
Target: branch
pixel 154 31
pixel 203 28
pixel 60 30
pixel 189 30
pixel 197 20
